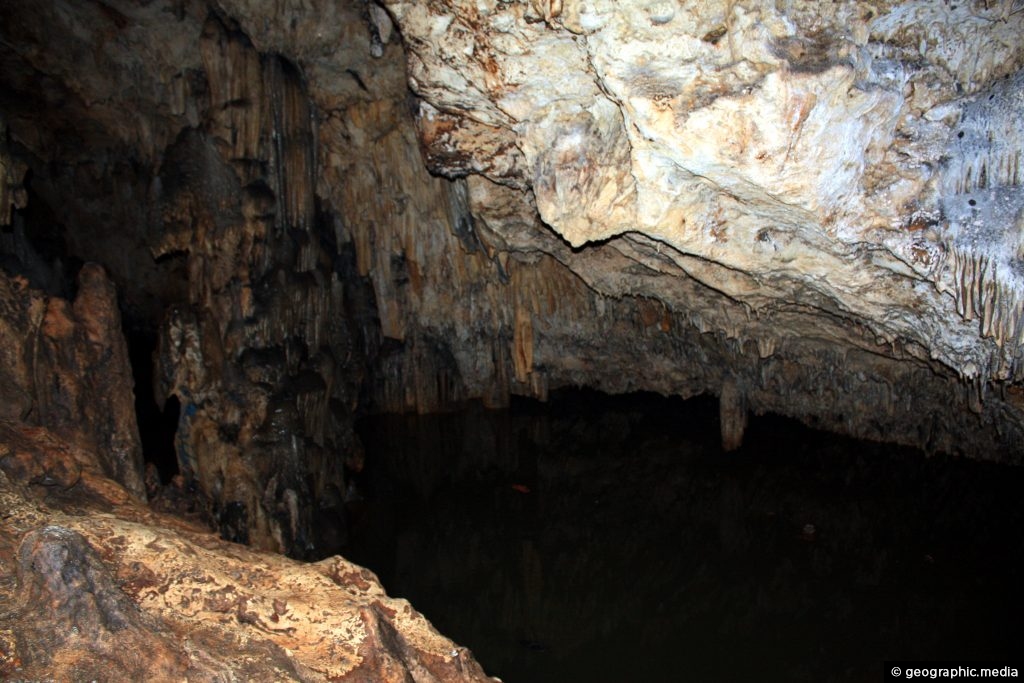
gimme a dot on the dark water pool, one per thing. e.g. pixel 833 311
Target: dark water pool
pixel 609 539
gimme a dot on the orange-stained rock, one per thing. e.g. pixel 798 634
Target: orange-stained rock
pixel 65 367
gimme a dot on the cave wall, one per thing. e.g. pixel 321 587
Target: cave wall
pixel 765 212
pixel 65 367
pixel 836 185
pixel 301 211
pixel 198 195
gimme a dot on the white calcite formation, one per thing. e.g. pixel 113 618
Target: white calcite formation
pixel 857 163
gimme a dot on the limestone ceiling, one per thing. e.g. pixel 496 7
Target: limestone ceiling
pixel 857 159
pixel 821 202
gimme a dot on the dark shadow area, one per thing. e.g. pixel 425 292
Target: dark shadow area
pixel 609 539
pixel 33 247
pixel 156 427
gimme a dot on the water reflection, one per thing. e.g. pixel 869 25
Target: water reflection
pixel 610 540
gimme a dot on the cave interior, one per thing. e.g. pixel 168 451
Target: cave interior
pixel 281 265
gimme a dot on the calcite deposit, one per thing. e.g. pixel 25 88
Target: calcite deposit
pixel 843 176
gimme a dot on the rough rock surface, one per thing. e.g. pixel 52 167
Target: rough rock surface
pixel 65 367
pixel 837 175
pixel 808 209
pixel 95 586
pixel 857 158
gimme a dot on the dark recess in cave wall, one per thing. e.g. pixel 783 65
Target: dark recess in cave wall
pixel 34 247
pixel 156 427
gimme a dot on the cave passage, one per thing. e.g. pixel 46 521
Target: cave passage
pixel 609 539
pixel 156 426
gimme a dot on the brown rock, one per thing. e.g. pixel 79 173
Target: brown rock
pixel 732 415
pixel 66 368
pixel 107 400
pixel 95 586
pixel 74 618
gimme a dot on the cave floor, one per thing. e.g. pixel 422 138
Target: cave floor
pixel 610 539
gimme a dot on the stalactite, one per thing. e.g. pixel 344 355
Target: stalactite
pixel 235 75
pixel 522 344
pixel 766 346
pixel 697 320
pixel 988 169
pixel 981 209
pixel 986 152
pixel 311 398
pixel 292 139
pixel 539 385
pixel 980 292
pixel 732 415
pixel 499 388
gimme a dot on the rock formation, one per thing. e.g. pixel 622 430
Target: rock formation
pixel 797 180
pixel 95 586
pixel 813 211
pixel 308 209
pixel 65 367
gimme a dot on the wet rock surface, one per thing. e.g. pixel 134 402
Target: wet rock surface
pixel 96 586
